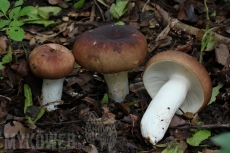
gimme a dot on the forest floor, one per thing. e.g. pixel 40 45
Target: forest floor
pixel 167 25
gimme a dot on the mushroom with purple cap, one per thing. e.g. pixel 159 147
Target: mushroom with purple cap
pixel 111 50
pixel 51 62
pixel 176 82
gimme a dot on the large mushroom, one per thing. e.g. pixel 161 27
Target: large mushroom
pixel 111 50
pixel 52 62
pixel 176 82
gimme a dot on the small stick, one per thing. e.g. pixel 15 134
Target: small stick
pixel 5 97
pixel 207 126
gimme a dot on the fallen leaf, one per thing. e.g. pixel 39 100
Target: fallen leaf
pixel 178 121
pixel 54 2
pixel 184 48
pixel 3 46
pixel 21 67
pixel 222 54
pixel 198 137
pixel 215 92
pixel 177 134
pixel 205 150
pixel 107 117
pixel 90 149
pixel 12 129
pixel 187 12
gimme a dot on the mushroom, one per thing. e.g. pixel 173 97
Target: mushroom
pixel 52 62
pixel 176 82
pixel 111 50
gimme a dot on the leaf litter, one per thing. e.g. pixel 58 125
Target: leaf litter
pixel 83 91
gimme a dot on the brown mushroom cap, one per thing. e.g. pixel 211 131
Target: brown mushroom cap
pixel 187 66
pixel 51 61
pixel 110 49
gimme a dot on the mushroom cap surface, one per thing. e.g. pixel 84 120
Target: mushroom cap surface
pixel 110 49
pixel 165 64
pixel 51 61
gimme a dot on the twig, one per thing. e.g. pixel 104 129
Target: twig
pixel 5 97
pixel 207 126
pixel 92 14
pixel 61 123
pixel 143 9
pixel 177 25
pixel 100 10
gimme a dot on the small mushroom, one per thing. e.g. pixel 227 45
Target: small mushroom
pixel 52 62
pixel 175 81
pixel 111 50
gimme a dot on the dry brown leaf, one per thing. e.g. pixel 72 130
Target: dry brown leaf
pixel 227 29
pixel 54 2
pixel 107 117
pixel 178 134
pixel 222 53
pixel 82 80
pixel 90 149
pixel 178 121
pixel 3 46
pixel 165 42
pixel 73 14
pixel 205 150
pixel 21 67
pixel 184 48
pixel 12 129
pixel 187 12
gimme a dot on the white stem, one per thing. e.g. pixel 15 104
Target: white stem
pixel 162 108
pixel 51 93
pixel 118 86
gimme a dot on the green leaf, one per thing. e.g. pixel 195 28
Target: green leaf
pixel 213 13
pixel 29 102
pixel 34 14
pixel 118 9
pixel 212 43
pixel 25 10
pixel 28 96
pixel 222 140
pixel 15 33
pixel 16 23
pixel 198 137
pixel 18 3
pixel 113 11
pixel 1 66
pixel 173 147
pixel 105 99
pixel 4 6
pixel 54 10
pixel 14 13
pixel 40 114
pixel 215 92
pixel 120 23
pixel 43 14
pixel 8 57
pixel 1 14
pixel 3 23
pixel 79 4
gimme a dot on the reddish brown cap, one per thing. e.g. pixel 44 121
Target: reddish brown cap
pixel 166 63
pixel 110 49
pixel 51 61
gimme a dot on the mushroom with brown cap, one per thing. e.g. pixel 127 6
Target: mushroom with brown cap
pixel 175 81
pixel 111 50
pixel 52 62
